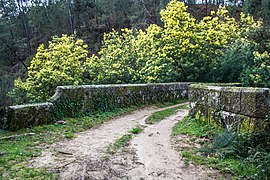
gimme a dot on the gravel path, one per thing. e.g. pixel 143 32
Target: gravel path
pixel 149 155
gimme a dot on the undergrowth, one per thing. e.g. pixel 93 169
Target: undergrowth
pixel 244 156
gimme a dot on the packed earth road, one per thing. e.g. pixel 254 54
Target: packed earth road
pixel 149 155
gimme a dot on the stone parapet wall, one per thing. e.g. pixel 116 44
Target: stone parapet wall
pixel 234 108
pixel 28 115
pixel 69 101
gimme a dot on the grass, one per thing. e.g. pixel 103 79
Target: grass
pixel 119 143
pixel 122 141
pixel 160 115
pixel 170 103
pixel 136 130
pixel 196 127
pixel 15 152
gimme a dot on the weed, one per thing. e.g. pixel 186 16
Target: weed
pixel 160 115
pixel 121 142
pixel 238 155
pixel 136 130
pixel 193 126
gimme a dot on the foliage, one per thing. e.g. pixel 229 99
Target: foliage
pixel 258 8
pixel 182 50
pixel 257 74
pixel 136 130
pixel 59 64
pixel 243 155
pixel 237 58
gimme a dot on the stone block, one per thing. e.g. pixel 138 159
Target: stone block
pixel 197 94
pixel 255 102
pixel 230 99
pixel 2 117
pixel 213 96
pixel 24 116
pixel 231 121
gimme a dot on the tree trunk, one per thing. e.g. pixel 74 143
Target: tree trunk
pixel 70 16
pixel 25 25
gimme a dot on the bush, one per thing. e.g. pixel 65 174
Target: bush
pixel 59 64
pixel 251 148
pixel 237 57
pixel 258 75
pixel 182 50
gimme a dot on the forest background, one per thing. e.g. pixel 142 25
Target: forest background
pixel 25 24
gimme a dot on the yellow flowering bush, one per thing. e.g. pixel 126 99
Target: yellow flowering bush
pixel 182 50
pixel 59 64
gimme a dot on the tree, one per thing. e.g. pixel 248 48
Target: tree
pixel 58 64
pixel 258 8
pixel 182 50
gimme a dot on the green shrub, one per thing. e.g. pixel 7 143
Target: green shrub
pixel 258 75
pixel 237 58
pixel 182 50
pixel 58 64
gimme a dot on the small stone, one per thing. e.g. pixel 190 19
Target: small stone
pixel 61 122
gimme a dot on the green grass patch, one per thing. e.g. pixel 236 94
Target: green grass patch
pixel 194 127
pixel 235 167
pixel 15 151
pixel 229 164
pixel 171 103
pixel 136 130
pixel 119 143
pixel 122 141
pixel 160 115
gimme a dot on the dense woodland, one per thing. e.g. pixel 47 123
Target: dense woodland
pixel 25 25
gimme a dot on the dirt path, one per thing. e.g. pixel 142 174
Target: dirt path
pixel 148 156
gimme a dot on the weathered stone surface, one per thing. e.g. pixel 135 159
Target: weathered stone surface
pixel 197 94
pixel 230 99
pixel 2 117
pixel 28 115
pixel 104 97
pixel 231 121
pixel 254 102
pixel 74 100
pixel 213 96
pixel 234 108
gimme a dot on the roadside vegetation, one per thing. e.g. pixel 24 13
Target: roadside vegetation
pixel 123 140
pixel 16 148
pixel 160 115
pixel 242 156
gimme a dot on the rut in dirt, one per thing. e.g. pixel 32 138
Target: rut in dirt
pixel 149 155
